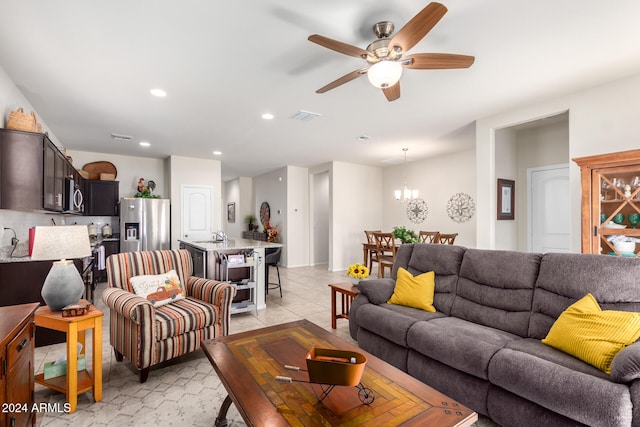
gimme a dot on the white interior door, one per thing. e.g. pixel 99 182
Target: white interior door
pixel 196 212
pixel 549 209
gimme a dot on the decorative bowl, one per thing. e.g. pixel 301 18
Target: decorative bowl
pixel 625 247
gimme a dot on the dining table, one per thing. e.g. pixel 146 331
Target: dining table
pixel 366 251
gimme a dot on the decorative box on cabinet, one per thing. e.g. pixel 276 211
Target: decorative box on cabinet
pixel 16 357
pixel 102 197
pixel 601 200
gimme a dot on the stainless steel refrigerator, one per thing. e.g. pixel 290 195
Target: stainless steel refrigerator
pixel 144 224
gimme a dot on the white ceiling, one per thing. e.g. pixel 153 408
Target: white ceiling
pixel 87 68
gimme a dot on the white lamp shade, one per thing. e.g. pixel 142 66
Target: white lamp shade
pixel 384 74
pixel 61 242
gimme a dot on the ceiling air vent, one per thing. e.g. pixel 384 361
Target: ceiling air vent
pixel 120 137
pixel 304 116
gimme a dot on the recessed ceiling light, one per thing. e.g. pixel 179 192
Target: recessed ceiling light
pixel 217 153
pixel 158 92
pixel 363 137
pixel 145 144
pixel 268 116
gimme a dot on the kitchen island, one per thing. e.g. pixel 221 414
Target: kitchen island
pixel 211 260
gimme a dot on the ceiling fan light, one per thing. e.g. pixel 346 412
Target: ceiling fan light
pixel 384 74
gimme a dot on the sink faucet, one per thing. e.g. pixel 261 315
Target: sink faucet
pixel 220 235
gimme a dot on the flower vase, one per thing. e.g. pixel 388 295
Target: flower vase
pixel 355 281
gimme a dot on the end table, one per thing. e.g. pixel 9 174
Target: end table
pixel 75 382
pixel 348 292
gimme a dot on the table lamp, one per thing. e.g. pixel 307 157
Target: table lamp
pixel 63 285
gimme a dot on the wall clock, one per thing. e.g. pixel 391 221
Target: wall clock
pixel 265 213
pixel 417 210
pixel 461 207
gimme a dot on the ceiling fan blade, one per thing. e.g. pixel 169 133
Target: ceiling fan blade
pixel 340 47
pixel 342 80
pixel 392 93
pixel 418 26
pixel 435 61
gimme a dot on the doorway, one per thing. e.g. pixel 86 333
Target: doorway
pixel 549 209
pixel 320 218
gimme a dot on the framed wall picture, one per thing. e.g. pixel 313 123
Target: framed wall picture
pixel 506 198
pixel 231 212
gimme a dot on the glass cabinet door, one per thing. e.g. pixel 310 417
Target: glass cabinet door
pixel 616 213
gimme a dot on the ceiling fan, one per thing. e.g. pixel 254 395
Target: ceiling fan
pixel 385 55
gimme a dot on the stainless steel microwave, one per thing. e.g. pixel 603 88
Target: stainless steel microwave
pixel 73 197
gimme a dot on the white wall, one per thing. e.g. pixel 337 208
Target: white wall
pixel 601 119
pixel 356 194
pixel 240 192
pixel 130 170
pixel 437 180
pixel 191 171
pixel 297 219
pixel 506 168
pixel 319 218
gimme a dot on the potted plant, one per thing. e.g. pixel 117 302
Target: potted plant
pixel 405 235
pixel 250 219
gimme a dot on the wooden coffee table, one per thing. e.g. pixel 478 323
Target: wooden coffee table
pixel 248 363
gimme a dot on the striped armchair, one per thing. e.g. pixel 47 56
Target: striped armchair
pixel 148 335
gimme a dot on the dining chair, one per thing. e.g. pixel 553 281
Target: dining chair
pixel 371 252
pixel 448 239
pixel 429 237
pixel 385 252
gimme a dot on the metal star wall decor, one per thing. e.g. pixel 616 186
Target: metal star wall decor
pixel 417 210
pixel 461 207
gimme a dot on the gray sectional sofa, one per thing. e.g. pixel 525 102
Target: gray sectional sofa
pixel 482 347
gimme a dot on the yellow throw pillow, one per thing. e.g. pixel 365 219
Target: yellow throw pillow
pixel 595 336
pixel 416 292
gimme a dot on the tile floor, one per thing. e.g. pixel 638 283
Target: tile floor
pixel 184 391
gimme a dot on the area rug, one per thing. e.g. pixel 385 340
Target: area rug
pixel 184 392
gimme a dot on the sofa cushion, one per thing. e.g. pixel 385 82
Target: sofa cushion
pixel 585 331
pixel 444 260
pixel 463 345
pixel 565 278
pixel 561 383
pixel 397 320
pixel 377 290
pixel 183 316
pixel 626 365
pixel 495 289
pixel 414 291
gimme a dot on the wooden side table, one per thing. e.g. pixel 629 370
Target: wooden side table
pixel 75 382
pixel 348 292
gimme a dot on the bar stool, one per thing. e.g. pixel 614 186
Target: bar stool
pixel 271 259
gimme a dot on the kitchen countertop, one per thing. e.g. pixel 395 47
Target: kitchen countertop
pixel 21 254
pixel 231 244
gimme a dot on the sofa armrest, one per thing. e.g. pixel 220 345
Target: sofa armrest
pixel 378 290
pixel 219 294
pixel 129 305
pixel 626 364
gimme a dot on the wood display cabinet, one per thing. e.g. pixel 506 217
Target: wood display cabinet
pixel 17 361
pixel 610 200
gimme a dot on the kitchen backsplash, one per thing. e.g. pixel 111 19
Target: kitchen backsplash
pixel 22 221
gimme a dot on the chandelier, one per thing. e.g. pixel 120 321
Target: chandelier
pixel 405 193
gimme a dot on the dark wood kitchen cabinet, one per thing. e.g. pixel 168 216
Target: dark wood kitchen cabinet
pixel 101 197
pixel 32 172
pixel 21 282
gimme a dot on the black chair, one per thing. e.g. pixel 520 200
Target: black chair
pixel 272 258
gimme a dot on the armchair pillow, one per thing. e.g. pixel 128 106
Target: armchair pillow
pixel 595 336
pixel 159 289
pixel 416 292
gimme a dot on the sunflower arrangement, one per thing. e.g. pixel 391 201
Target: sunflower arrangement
pixel 358 271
